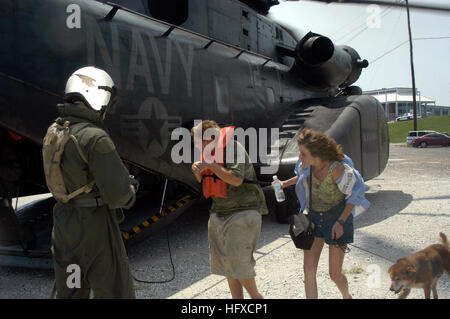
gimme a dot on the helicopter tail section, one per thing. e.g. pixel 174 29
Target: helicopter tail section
pixel 356 122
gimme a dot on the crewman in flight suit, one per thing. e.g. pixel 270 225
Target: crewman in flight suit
pixel 86 234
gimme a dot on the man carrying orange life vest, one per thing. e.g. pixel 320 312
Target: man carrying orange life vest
pixel 234 225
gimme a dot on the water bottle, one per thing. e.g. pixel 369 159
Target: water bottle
pixel 279 193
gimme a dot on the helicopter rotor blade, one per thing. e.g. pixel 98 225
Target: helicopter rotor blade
pixel 385 3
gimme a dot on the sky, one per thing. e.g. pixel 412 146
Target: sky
pixel 380 35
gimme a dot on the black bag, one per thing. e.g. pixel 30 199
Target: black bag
pixel 305 239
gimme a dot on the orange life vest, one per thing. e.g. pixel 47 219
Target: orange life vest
pixel 15 136
pixel 212 184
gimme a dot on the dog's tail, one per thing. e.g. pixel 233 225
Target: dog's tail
pixel 444 240
pixel 446 255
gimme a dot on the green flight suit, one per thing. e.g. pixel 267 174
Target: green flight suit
pixel 89 237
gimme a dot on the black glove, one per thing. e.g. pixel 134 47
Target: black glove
pixel 135 183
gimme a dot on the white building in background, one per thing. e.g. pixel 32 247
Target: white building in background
pixel 398 101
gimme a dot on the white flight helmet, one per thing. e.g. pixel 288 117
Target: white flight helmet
pixel 94 87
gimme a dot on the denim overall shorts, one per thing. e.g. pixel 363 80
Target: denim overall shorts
pixel 324 222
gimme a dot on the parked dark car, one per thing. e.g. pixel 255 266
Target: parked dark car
pixel 431 140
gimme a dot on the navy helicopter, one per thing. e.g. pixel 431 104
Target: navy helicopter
pixel 173 63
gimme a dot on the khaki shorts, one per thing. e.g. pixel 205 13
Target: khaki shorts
pixel 232 242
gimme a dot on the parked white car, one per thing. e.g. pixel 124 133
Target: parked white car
pixel 407 116
pixel 404 117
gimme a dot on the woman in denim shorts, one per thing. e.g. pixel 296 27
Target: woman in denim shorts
pixel 337 188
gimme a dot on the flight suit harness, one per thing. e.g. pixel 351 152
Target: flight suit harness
pixel 58 134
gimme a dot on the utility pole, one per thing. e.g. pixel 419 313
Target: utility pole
pixel 412 69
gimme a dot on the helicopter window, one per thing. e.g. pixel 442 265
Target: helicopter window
pixel 270 96
pixel 174 11
pixel 256 77
pixel 279 34
pixel 222 95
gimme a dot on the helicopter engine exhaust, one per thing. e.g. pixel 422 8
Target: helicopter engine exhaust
pixel 321 64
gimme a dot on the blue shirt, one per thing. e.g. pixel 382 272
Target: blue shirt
pixel 350 183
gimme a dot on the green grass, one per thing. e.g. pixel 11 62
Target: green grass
pixel 399 130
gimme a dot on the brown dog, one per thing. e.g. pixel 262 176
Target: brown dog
pixel 421 270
